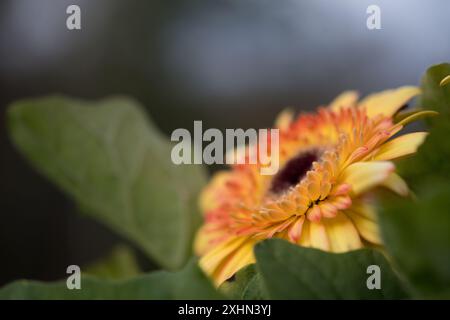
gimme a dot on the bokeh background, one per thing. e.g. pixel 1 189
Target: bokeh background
pixel 229 63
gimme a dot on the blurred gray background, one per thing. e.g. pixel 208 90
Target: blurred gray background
pixel 233 63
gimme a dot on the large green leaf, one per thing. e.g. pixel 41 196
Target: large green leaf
pixel 292 272
pixel 116 165
pixel 189 283
pixel 245 285
pixel 432 158
pixel 120 263
pixel 417 234
pixel 434 95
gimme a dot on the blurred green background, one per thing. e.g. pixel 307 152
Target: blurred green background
pixel 228 63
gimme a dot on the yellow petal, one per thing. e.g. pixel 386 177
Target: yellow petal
pixel 342 233
pixel 401 146
pixel 325 189
pixel 211 261
pixel 314 190
pixel 367 228
pixel 202 242
pixel 242 257
pixel 365 175
pixel 284 119
pixel 305 239
pixel 396 184
pixel 388 102
pixel 365 208
pixel 318 236
pixel 345 99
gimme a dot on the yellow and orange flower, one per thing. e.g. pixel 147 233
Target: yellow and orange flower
pixel 330 161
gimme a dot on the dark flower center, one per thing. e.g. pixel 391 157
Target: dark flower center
pixel 293 171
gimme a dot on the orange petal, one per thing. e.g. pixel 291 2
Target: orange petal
pixel 203 239
pixel 314 214
pixel 295 230
pixel 208 196
pixel 341 189
pixel 328 210
pixel 341 202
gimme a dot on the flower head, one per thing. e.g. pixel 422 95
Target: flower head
pixel 330 162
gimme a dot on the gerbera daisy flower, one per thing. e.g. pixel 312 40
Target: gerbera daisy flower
pixel 330 163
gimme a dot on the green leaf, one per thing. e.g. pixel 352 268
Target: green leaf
pixel 245 285
pixel 117 166
pixel 432 158
pixel 293 272
pixel 434 95
pixel 417 237
pixel 189 283
pixel 119 263
pixel 417 233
